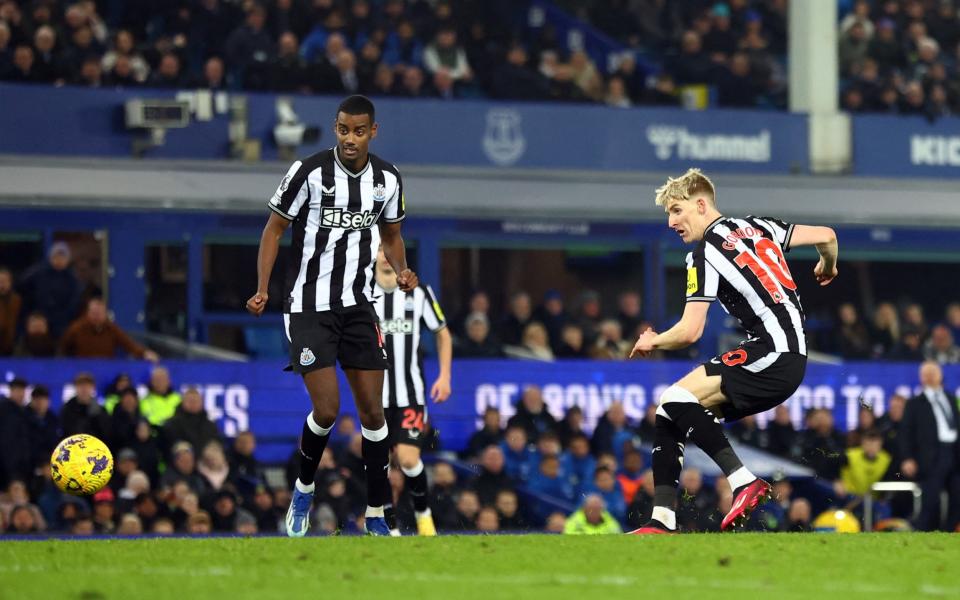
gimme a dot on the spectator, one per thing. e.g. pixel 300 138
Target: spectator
pixel 288 70
pixel 929 448
pixel 53 289
pixel 647 427
pixel 886 329
pixel 478 343
pixel 442 496
pixel 147 450
pixel 48 65
pixel 630 476
pixel 184 468
pixel 121 75
pixel 613 433
pixel 940 347
pixel 628 311
pixel 551 313
pixel 589 317
pixel 111 396
pixel 910 348
pixel 489 435
pixel 104 512
pixel 520 315
pixel 162 400
pixel 952 314
pixel 585 75
pixel 82 413
pixel 468 506
pixel 696 504
pixel 213 466
pixel 507 506
pixel 606 485
pixel 94 335
pixel 691 66
pixel 200 523
pixel 610 344
pixel 15 458
pixel 444 55
pixel 746 431
pixel 10 305
pixel 249 50
pixel 571 425
pixel 549 481
pixel 42 426
pixel 492 477
pixel 488 521
pixel 592 518
pixel 214 77
pixel 23 521
pixel 190 423
pixel 889 425
pixel 535 344
pixel 532 414
pixel 640 509
pixel 853 48
pixel 781 435
pixel 853 339
pixel 479 303
pixel 124 463
pixel 136 69
pixel 798 517
pixel 736 87
pixel 820 445
pixel 514 81
pixel 571 342
pixel 865 465
pixel 412 83
pixel 518 455
pixel 885 48
pixel 169 74
pixel 245 470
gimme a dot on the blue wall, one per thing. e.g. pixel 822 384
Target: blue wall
pixel 260 397
pixel 89 122
pixel 888 146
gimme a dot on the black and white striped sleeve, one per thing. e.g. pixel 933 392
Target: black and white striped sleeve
pixel 702 278
pixel 292 193
pixel 432 313
pixel 780 230
pixel 396 208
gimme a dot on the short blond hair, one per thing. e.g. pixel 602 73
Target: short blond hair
pixel 691 184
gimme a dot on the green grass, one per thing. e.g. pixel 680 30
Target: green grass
pixel 813 566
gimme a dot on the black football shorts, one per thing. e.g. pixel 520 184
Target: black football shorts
pixel 349 335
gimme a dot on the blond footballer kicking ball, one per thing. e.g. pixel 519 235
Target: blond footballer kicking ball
pixel 81 465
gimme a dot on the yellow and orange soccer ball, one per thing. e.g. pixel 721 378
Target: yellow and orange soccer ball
pixel 81 465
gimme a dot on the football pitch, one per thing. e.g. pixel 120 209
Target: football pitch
pixel 884 565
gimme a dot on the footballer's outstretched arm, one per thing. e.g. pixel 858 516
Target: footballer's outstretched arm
pixel 440 390
pixel 687 331
pixel 267 255
pixel 825 241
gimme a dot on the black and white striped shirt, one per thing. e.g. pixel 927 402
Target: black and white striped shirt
pixel 335 215
pixel 741 262
pixel 401 315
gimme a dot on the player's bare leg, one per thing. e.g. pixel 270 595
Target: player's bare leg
pixel 325 398
pixel 408 456
pixel 686 411
pixel 367 386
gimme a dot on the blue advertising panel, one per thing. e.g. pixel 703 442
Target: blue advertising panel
pixel 258 396
pixel 84 122
pixel 906 146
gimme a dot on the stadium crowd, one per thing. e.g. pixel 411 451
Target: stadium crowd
pixel 46 311
pixel 901 57
pixel 409 48
pixel 175 472
pixel 551 330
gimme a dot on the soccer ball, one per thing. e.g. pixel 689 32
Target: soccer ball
pixel 81 465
